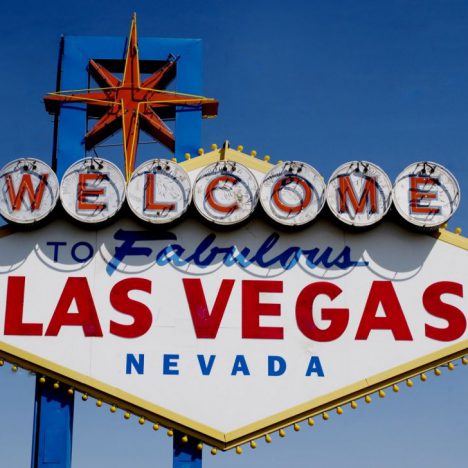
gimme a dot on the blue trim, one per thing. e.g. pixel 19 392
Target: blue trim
pixel 186 455
pixel 53 427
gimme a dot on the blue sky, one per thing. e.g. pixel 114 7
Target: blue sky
pixel 323 82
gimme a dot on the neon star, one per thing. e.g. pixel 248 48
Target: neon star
pixel 130 104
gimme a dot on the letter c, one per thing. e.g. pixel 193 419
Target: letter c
pixel 210 198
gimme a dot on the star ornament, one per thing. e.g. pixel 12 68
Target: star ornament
pixel 130 104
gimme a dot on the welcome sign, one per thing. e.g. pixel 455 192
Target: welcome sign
pixel 227 335
pixel 223 297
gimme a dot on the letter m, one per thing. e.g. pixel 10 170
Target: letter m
pixel 368 196
pixel 17 198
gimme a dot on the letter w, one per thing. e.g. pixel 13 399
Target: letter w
pixel 26 186
pixel 206 324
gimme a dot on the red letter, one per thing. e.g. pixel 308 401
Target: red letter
pixel 418 195
pixel 304 312
pixel 150 203
pixel 142 317
pixel 206 324
pixel 76 289
pixel 436 307
pixel 252 309
pixel 286 181
pixel 382 292
pixel 210 198
pixel 26 186
pixel 369 192
pixel 84 191
pixel 14 324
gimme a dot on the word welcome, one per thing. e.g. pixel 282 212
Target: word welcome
pixel 292 193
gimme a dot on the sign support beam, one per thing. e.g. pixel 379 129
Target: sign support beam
pixel 186 454
pixel 53 424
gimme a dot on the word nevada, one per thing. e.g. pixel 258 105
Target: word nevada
pixel 226 192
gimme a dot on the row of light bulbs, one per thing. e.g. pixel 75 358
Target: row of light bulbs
pixel 267 437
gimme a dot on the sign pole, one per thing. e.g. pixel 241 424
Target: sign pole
pixel 53 424
pixel 186 454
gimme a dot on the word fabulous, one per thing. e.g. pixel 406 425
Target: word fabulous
pixel 226 192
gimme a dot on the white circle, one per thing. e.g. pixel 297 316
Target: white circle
pixel 29 191
pixel 292 193
pixel 225 192
pixel 159 191
pixel 92 190
pixel 426 194
pixel 359 193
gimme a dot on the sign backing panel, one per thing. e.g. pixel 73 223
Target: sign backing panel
pixel 245 378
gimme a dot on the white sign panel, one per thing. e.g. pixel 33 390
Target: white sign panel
pixel 226 334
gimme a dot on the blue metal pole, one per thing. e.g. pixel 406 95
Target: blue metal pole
pixel 53 424
pixel 186 454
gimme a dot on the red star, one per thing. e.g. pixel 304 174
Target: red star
pixel 130 104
